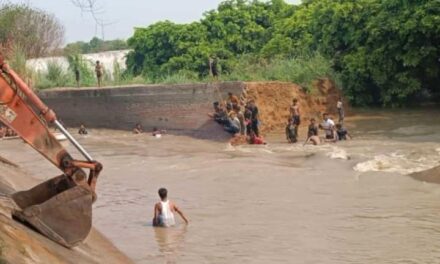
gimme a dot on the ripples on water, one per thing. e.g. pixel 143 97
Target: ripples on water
pixel 336 203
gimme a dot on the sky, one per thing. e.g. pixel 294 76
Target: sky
pixel 122 15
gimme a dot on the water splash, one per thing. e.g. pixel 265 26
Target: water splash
pixel 338 153
pixel 403 162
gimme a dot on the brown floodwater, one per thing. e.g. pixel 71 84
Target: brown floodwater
pixel 350 202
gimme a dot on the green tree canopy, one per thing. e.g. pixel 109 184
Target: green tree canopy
pixel 95 45
pixel 386 51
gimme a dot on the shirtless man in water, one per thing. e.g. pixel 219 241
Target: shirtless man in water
pixel 312 134
pixel 164 211
pixel 138 129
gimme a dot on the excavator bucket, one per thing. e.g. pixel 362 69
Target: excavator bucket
pixel 58 208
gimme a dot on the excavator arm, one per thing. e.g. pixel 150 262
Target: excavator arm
pixel 60 208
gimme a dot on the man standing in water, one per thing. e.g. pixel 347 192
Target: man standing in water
pixel 291 135
pixel 164 211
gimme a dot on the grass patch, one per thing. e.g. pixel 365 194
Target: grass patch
pixel 302 70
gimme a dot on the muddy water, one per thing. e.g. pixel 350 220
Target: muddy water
pixel 344 203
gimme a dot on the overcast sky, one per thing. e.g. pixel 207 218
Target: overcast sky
pixel 123 15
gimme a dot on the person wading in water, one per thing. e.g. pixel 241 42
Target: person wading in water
pixel 164 211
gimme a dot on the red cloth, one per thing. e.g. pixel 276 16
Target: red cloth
pixel 257 141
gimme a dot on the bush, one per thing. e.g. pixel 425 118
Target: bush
pixel 77 62
pixel 301 70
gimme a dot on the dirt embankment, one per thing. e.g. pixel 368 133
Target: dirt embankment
pixel 19 244
pixel 275 98
pixel 431 175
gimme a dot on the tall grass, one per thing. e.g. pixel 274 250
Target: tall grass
pixel 54 77
pixel 179 77
pixel 16 58
pixel 302 70
pixel 86 74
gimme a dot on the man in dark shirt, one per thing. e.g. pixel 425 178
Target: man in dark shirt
pixel 248 119
pixel 342 132
pixel 213 67
pixel 312 133
pixel 313 128
pixel 254 118
pixel 291 135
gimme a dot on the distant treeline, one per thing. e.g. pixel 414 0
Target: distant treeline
pixel 384 52
pixel 95 45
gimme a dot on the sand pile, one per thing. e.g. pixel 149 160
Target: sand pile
pixel 19 244
pixel 275 98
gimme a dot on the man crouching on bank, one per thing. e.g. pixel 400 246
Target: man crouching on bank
pixel 164 211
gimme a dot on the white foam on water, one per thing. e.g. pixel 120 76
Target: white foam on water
pixel 400 162
pixel 229 147
pixel 338 153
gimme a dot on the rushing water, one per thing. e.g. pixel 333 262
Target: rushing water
pixel 349 202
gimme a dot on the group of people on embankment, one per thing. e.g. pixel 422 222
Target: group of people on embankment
pixel 332 132
pixel 241 119
pixel 238 118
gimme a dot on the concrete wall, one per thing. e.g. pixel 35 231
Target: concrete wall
pixel 107 59
pixel 181 109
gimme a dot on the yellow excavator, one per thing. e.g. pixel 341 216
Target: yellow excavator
pixel 60 208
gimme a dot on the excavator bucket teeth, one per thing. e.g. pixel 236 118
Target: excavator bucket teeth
pixel 58 208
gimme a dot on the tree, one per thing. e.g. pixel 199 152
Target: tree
pixel 95 45
pixel 387 52
pixel 236 28
pixel 36 32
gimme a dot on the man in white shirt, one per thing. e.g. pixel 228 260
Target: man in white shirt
pixel 328 126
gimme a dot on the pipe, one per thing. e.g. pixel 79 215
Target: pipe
pixel 73 140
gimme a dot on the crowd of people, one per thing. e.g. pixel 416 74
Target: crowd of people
pixel 138 129
pixel 332 132
pixel 239 119
pixel 242 119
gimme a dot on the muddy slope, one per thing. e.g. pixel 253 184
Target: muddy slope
pixel 275 98
pixel 19 244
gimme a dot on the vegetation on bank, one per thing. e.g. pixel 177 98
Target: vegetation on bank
pixel 385 52
pixel 381 52
pixel 95 45
pixel 301 70
pixel 34 32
